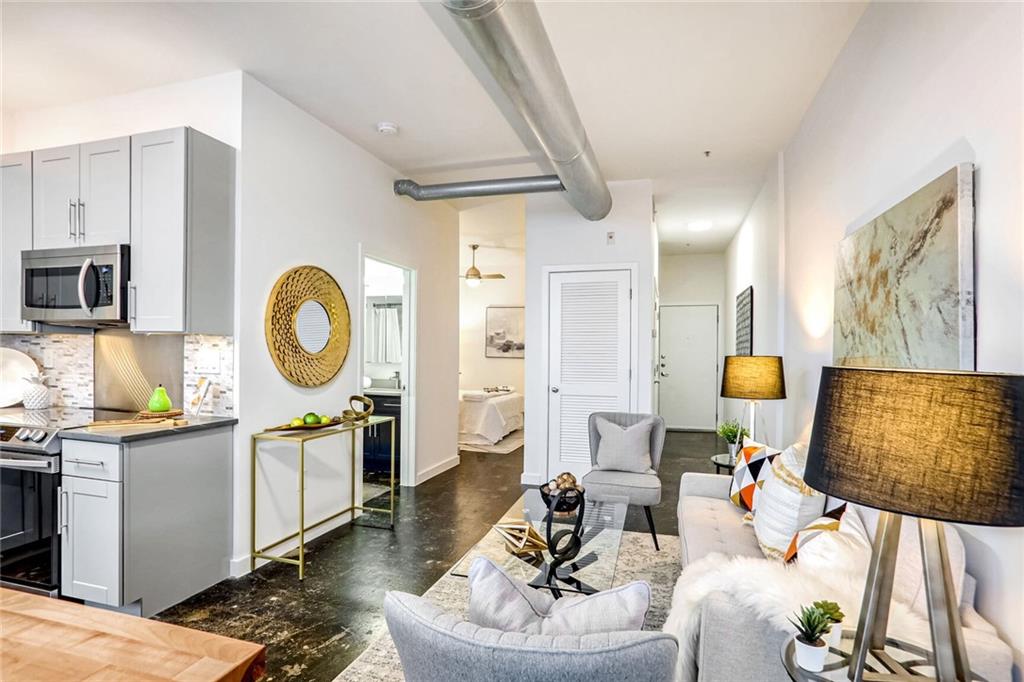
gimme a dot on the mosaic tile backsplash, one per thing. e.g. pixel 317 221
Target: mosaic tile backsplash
pixel 68 359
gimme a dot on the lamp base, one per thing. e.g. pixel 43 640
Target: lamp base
pixel 949 654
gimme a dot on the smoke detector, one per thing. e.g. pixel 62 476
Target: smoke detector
pixel 387 128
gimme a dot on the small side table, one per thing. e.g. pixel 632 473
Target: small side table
pixel 908 659
pixel 300 438
pixel 723 461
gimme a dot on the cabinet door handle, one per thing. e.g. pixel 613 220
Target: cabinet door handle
pixel 62 506
pixel 71 215
pixel 133 296
pixel 81 219
pixel 87 462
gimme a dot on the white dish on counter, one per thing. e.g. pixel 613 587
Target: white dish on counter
pixel 15 367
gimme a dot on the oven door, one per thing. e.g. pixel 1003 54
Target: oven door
pixel 29 543
pixel 80 286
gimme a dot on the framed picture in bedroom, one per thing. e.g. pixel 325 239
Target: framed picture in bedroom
pixel 505 332
pixel 904 286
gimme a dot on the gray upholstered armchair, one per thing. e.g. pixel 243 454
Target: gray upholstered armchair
pixel 643 489
pixel 436 646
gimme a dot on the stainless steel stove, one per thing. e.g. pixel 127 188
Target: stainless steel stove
pixel 30 477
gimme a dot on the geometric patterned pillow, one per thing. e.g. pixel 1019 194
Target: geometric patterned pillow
pixel 820 525
pixel 752 466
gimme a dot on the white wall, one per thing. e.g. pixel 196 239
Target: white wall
pixel 557 235
pixel 310 196
pixel 918 88
pixel 695 279
pixel 212 105
pixel 498 224
pixel 753 258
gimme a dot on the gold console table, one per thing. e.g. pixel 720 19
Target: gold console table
pixel 301 437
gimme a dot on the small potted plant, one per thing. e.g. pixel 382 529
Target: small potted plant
pixel 733 434
pixel 835 619
pixel 811 623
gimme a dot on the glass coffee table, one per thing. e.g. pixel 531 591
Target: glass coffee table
pixel 593 569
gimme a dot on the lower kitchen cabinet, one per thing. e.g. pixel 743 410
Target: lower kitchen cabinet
pixel 90 548
pixel 145 523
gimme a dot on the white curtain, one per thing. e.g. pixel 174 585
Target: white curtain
pixel 383 336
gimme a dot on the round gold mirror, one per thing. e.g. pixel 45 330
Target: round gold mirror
pixel 308 327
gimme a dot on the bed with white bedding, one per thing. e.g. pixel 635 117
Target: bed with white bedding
pixel 486 418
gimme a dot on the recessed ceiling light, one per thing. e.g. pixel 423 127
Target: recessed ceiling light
pixel 699 225
pixel 387 128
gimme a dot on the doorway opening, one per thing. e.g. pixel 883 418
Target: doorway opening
pixel 389 373
pixel 688 367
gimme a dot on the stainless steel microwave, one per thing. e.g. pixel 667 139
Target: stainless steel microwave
pixel 84 286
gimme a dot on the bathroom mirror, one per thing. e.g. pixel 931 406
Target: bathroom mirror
pixel 307 326
pixel 312 326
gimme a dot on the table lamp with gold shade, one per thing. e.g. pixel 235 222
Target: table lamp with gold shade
pixel 753 378
pixel 937 445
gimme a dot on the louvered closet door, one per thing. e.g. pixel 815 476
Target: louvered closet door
pixel 589 360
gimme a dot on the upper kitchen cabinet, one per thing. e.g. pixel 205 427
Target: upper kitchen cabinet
pixel 182 237
pixel 15 236
pixel 81 194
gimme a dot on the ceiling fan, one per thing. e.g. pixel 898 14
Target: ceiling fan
pixel 473 275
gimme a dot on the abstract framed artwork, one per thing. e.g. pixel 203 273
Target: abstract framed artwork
pixel 745 322
pixel 904 287
pixel 505 332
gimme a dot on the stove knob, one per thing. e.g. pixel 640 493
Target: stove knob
pixel 38 436
pixel 23 434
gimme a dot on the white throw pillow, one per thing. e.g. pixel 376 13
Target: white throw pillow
pixel 785 503
pixel 504 603
pixel 625 449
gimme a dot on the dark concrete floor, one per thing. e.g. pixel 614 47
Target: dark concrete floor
pixel 313 629
pixel 684 451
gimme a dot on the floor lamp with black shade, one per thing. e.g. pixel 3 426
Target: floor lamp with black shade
pixel 936 445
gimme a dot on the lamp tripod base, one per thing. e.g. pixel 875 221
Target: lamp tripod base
pixel 949 654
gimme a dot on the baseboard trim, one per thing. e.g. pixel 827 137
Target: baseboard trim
pixel 239 566
pixel 530 478
pixel 438 468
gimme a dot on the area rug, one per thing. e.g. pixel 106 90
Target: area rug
pixel 505 446
pixel 637 560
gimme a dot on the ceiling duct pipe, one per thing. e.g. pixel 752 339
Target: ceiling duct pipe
pixel 510 39
pixel 478 188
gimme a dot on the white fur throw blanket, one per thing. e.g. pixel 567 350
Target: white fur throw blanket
pixel 773 591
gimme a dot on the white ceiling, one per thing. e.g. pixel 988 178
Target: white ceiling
pixel 656 84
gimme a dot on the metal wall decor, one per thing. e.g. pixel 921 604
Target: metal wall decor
pixel 307 326
pixel 745 322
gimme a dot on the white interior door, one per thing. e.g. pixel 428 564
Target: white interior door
pixel 589 359
pixel 688 380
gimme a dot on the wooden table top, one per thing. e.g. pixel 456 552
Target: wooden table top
pixel 51 639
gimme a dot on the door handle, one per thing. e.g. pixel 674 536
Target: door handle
pixel 81 285
pixel 81 219
pixel 87 462
pixel 664 374
pixel 133 296
pixel 554 389
pixel 61 510
pixel 71 214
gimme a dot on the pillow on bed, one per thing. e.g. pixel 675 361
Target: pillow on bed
pixel 625 449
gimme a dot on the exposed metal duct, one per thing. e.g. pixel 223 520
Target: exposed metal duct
pixel 510 42
pixel 478 188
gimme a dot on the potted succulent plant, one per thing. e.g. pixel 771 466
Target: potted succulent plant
pixel 811 623
pixel 835 619
pixel 733 434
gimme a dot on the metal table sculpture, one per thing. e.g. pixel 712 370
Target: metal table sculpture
pixel 563 546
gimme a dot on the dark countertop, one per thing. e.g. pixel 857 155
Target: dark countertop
pixel 129 434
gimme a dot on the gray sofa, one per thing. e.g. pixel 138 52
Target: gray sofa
pixel 709 522
pixel 436 646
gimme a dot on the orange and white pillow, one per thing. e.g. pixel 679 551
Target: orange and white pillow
pixel 785 504
pixel 753 463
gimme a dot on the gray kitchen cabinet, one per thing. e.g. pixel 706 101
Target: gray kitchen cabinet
pixel 182 238
pixel 90 548
pixel 15 236
pixel 81 194
pixel 145 519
